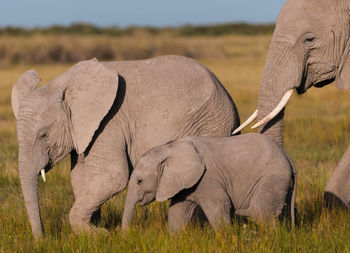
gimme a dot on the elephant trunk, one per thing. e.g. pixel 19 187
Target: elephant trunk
pixel 283 71
pixel 29 184
pixel 131 200
pixel 266 103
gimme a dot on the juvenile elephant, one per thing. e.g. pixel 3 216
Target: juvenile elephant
pixel 105 115
pixel 248 174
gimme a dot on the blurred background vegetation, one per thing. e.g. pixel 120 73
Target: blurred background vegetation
pixel 68 44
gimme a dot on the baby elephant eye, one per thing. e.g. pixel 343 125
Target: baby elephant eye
pixel 139 181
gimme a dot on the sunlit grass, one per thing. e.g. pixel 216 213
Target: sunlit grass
pixel 317 132
pixel 37 48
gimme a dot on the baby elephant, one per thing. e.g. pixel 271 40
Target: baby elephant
pixel 249 175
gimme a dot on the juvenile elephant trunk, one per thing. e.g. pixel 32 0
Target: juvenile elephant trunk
pixel 29 183
pixel 129 207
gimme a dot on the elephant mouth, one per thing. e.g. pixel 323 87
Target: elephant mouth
pixel 147 198
pixel 310 79
pixel 324 83
pixel 303 87
pixel 48 167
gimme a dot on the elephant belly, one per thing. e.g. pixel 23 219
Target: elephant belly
pixel 167 125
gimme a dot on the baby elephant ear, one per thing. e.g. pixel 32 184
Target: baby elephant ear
pixel 89 95
pixel 183 168
pixel 25 85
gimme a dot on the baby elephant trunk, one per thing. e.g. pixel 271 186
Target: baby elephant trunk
pixel 130 203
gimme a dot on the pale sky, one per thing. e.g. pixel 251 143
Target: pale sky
pixel 31 13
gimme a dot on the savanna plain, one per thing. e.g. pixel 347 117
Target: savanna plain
pixel 317 133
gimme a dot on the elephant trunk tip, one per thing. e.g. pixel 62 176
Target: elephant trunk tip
pixel 127 216
pixel 124 226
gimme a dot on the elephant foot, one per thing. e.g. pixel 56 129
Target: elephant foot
pixel 97 231
pixel 85 223
pixel 332 201
pixel 89 229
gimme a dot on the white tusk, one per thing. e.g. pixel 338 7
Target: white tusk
pixel 247 122
pixel 277 109
pixel 43 175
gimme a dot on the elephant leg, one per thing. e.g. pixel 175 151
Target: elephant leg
pixel 217 210
pixel 96 179
pixel 337 191
pixel 180 214
pixel 77 175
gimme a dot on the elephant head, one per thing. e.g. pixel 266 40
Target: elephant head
pixel 55 119
pixel 310 47
pixel 161 173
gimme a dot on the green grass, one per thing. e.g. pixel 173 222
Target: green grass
pixel 317 132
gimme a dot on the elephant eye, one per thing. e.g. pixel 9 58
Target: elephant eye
pixel 139 181
pixel 43 136
pixel 309 38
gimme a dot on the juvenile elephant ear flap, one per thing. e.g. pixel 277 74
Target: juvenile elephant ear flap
pixel 183 169
pixel 90 94
pixel 342 80
pixel 25 85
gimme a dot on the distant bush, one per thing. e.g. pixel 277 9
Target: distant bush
pixel 59 44
pixel 224 29
pixel 187 30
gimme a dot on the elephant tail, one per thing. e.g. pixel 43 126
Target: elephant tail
pixel 294 192
pixel 292 206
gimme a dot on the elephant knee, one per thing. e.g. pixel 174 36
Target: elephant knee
pixel 174 223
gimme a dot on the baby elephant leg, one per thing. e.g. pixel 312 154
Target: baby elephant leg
pixel 180 214
pixel 217 210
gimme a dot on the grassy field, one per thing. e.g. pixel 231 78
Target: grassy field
pixel 317 132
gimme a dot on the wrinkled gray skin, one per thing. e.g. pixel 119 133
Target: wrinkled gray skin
pixel 249 175
pixel 106 115
pixel 310 47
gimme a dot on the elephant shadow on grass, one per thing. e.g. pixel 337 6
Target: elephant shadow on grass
pixel 112 216
pixel 312 210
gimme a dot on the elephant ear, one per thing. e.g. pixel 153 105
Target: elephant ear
pixel 90 94
pixel 342 80
pixel 25 85
pixel 182 169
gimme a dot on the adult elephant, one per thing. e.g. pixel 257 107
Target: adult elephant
pixel 105 115
pixel 310 47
